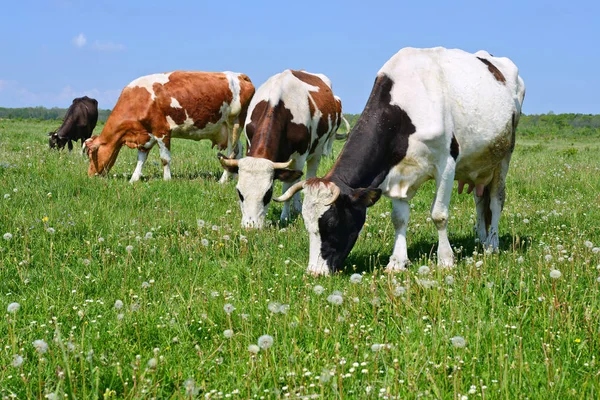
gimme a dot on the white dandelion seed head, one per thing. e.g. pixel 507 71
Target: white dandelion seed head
pixel 274 307
pixel 118 304
pixel 120 316
pixel 449 280
pixel 13 307
pixel 335 299
pixel 336 293
pixel 284 308
pixel 148 235
pixel 204 242
pixel 424 270
pixel 226 237
pixel 555 274
pixel 265 342
pixel 588 244
pixel 375 347
pixel 52 396
pixel 473 389
pixel 525 221
pixel 229 308
pixel 100 240
pixel 145 285
pixel 355 278
pixel 399 291
pixel 228 333
pixel 7 236
pixel 254 349
pixel 17 361
pixel 478 263
pixel 318 289
pixel 548 258
pixel 152 363
pixel 201 223
pixel 458 342
pixel 215 228
pixel 86 262
pixel 129 248
pixel 520 260
pixel 190 386
pixel 40 346
pixel 50 230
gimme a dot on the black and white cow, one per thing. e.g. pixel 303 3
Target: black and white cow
pixel 292 120
pixel 78 124
pixel 432 114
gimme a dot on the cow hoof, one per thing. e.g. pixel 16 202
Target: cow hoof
pixel 446 262
pixel 396 265
pixel 315 270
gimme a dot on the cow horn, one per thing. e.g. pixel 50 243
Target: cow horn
pixel 227 162
pixel 235 137
pixel 282 165
pixel 336 194
pixel 296 187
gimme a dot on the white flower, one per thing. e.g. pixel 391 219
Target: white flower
pixel 145 285
pixel 355 278
pixel 229 308
pixel 399 291
pixel 525 221
pixel 473 389
pixel 458 342
pixel 204 242
pixel 520 260
pixel 7 236
pixel 335 299
pixel 228 333
pixel 40 346
pixel 17 361
pixel 318 289
pixel 129 248
pixel 424 270
pixel 215 228
pixel 427 283
pixel 598 279
pixel 265 341
pixel 50 230
pixel 86 262
pixel 51 396
pixel 13 307
pixel 120 316
pixel 478 263
pixel 548 257
pixel 226 237
pixel 190 386
pixel 449 280
pixel 588 244
pixel 555 274
pixel 100 239
pixel 375 347
pixel 254 349
pixel 274 307
pixel 118 304
pixel 596 250
pixel 201 223
pixel 148 236
pixel 284 308
pixel 152 363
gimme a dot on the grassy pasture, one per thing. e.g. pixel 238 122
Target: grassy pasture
pixel 150 320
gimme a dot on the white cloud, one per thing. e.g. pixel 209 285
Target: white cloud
pixel 108 46
pixel 79 40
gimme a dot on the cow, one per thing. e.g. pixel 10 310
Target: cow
pixel 78 124
pixel 153 109
pixel 432 114
pixel 292 120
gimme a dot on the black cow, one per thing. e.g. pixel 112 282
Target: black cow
pixel 80 120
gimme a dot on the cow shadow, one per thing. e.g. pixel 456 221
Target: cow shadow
pixel 361 261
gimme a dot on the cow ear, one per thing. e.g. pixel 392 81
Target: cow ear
pixel 92 144
pixel 287 175
pixel 366 197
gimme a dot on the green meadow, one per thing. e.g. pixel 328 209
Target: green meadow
pixel 152 290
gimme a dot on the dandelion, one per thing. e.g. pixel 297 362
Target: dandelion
pixel 228 333
pixel 458 342
pixel 118 304
pixel 427 283
pixel 274 307
pixel 226 237
pixel 356 278
pixel 215 228
pixel 17 361
pixel 50 230
pixel 40 346
pixel 588 244
pixel 525 221
pixel 399 291
pixel 100 240
pixel 52 396
pixel 120 316
pixel 478 264
pixel 229 308
pixel 449 280
pixel 325 376
pixel 596 250
pixel 243 239
pixel 204 242
pixel 254 349
pixel 152 363
pixel 86 262
pixel 548 258
pixel 424 270
pixel 375 347
pixel 190 386
pixel 265 342
pixel 7 236
pixel 520 260
pixel 318 289
pixel 555 274
pixel 145 285
pixel 129 249
pixel 148 236
pixel 13 307
pixel 335 299
pixel 284 308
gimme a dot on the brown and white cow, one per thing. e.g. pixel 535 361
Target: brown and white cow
pixel 432 114
pixel 292 120
pixel 156 108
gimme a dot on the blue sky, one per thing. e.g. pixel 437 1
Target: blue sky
pixel 54 50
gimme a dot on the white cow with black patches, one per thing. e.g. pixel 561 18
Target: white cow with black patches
pixel 432 114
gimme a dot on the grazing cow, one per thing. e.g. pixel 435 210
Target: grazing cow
pixel 432 114
pixel 291 120
pixel 156 108
pixel 78 124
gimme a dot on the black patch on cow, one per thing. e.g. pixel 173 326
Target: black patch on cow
pixel 78 124
pixel 514 132
pixel 454 148
pixel 494 70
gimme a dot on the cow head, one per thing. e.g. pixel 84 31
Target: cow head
pixel 102 155
pixel 255 185
pixel 55 141
pixel 333 219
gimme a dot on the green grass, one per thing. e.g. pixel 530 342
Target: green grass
pixel 527 335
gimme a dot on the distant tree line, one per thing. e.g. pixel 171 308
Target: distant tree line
pixel 534 124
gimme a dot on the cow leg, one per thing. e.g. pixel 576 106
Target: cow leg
pixel 293 205
pixel 137 174
pixel 497 194
pixel 70 145
pixel 484 214
pixel 400 214
pixel 164 147
pixel 233 149
pixel 439 212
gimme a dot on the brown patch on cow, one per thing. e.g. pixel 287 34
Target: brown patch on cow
pixel 494 70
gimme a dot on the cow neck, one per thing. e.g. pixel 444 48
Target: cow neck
pixel 377 143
